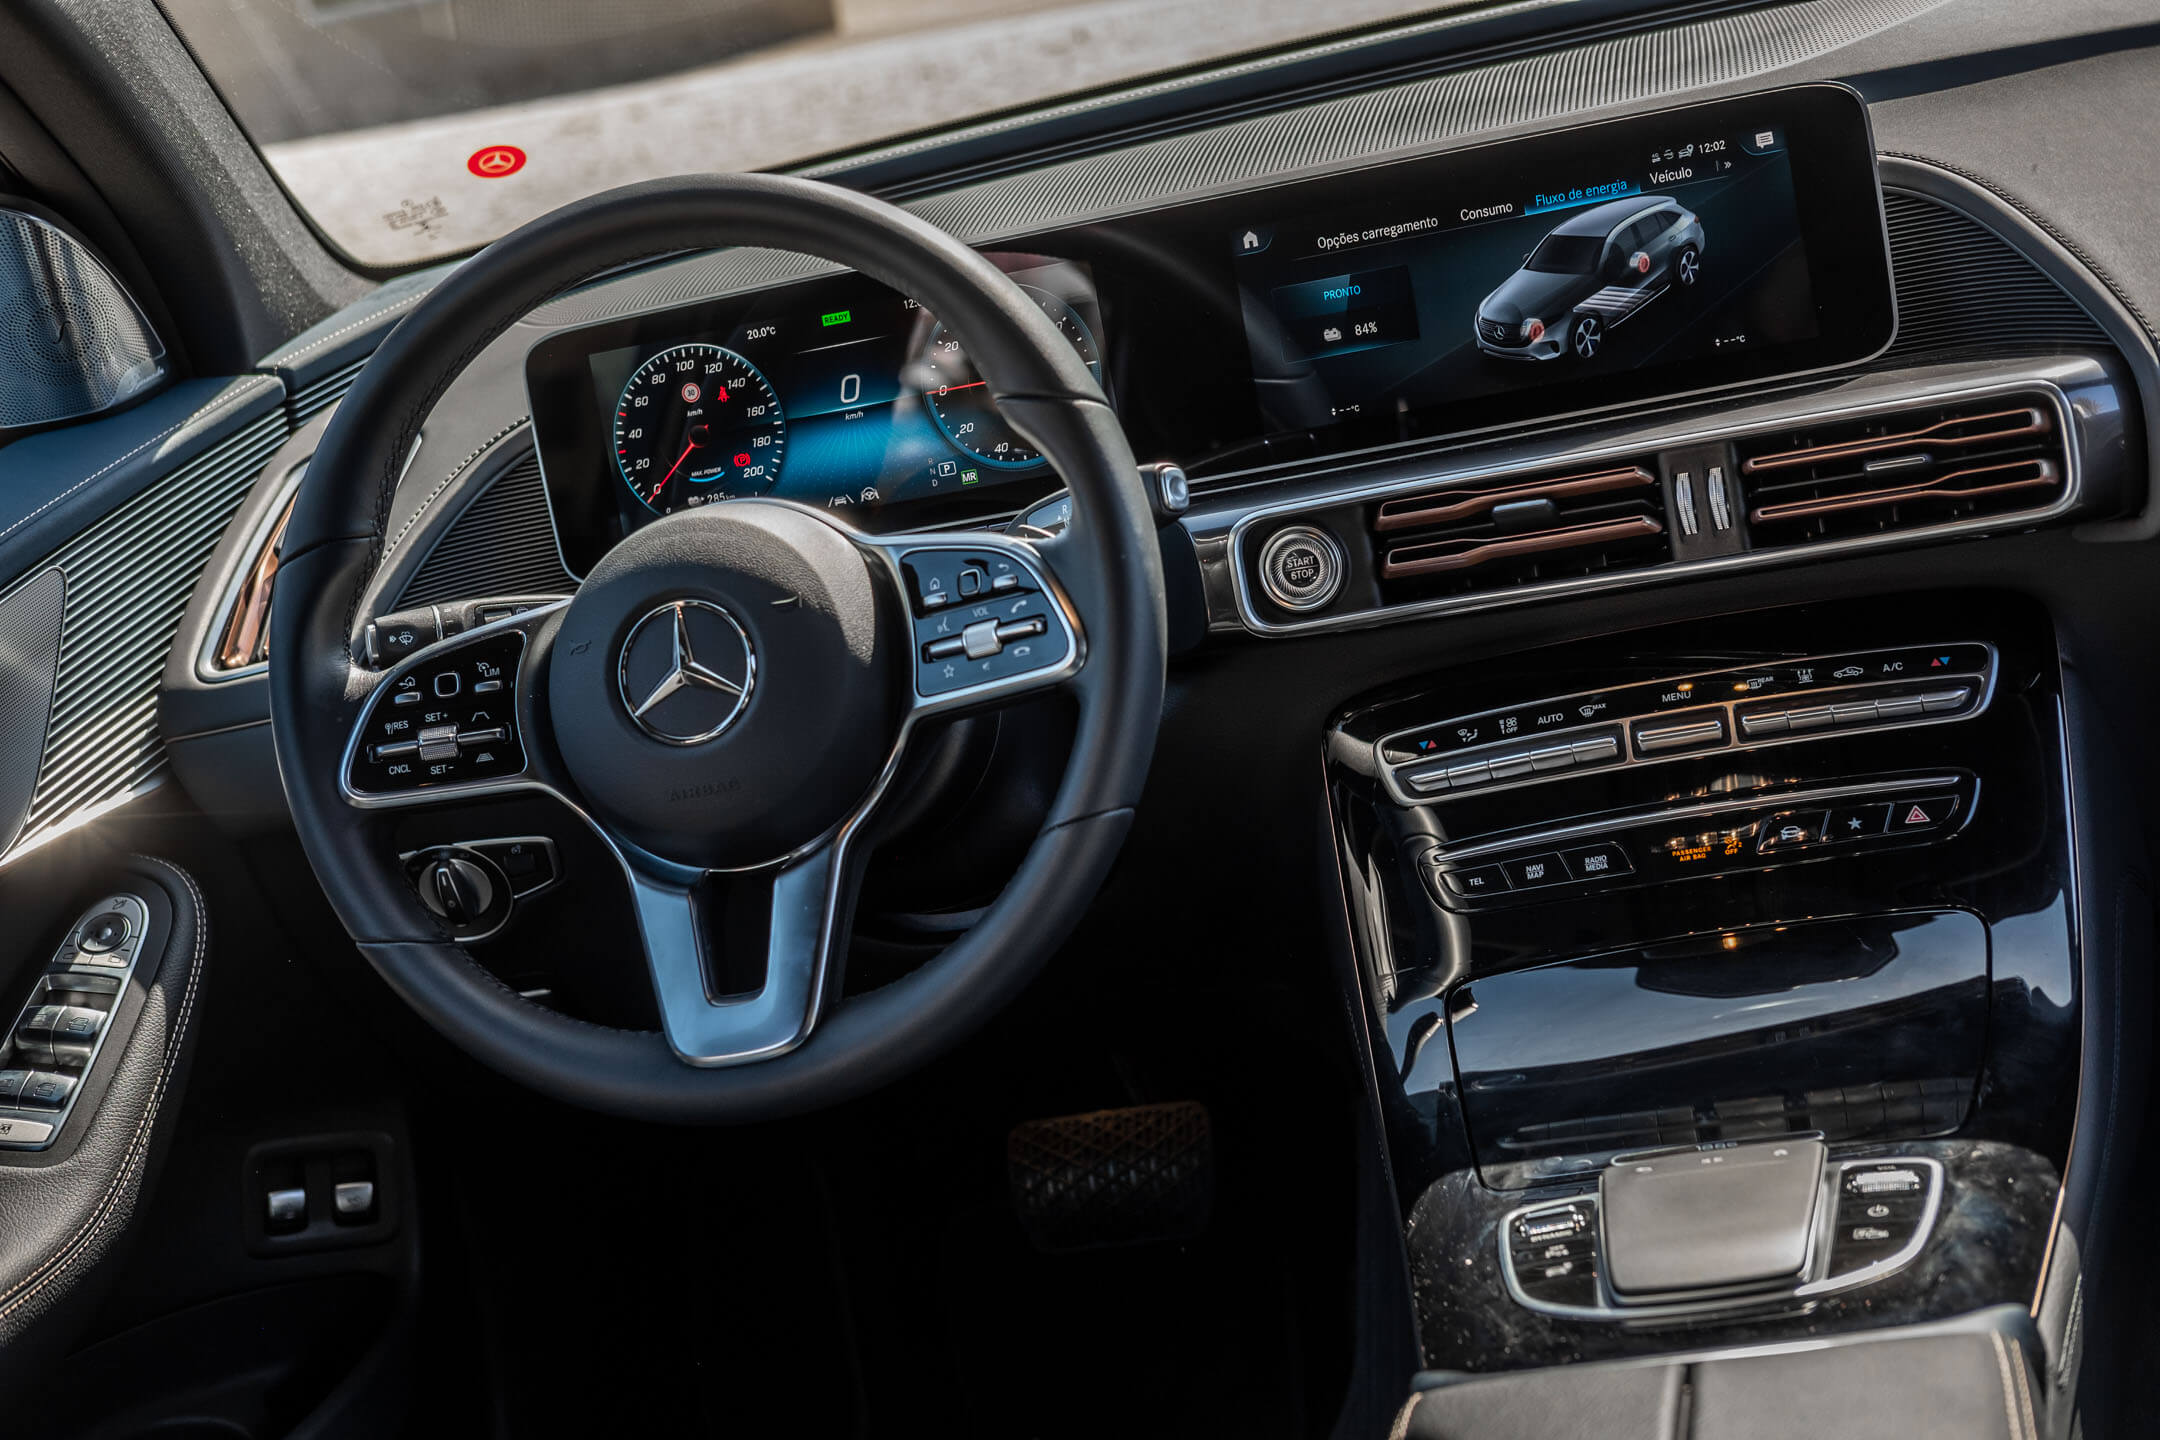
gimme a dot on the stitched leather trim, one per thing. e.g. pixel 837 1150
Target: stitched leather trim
pixel 1401 1427
pixel 242 392
pixel 287 357
pixel 485 447
pixel 138 1148
pixel 2093 266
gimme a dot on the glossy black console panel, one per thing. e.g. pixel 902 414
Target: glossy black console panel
pixel 1859 1028
pixel 1714 952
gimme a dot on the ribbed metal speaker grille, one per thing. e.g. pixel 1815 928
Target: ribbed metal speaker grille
pixel 502 544
pixel 1964 291
pixel 128 579
pixel 71 341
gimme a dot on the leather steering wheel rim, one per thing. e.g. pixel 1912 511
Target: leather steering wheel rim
pixel 1107 563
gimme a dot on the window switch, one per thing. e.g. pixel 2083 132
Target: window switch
pixel 354 1201
pixel 286 1210
pixel 47 1089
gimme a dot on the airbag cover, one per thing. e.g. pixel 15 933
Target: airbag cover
pixel 816 720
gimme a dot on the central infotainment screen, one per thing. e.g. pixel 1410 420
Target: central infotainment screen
pixel 1654 256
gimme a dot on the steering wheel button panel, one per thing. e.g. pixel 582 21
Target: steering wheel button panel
pixel 461 734
pixel 937 579
pixel 998 634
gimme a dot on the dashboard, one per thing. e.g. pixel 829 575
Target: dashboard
pixel 1575 271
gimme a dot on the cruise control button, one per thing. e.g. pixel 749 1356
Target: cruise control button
pixel 1479 880
pixel 1595 862
pixel 1923 814
pixel 1534 870
pixel 1857 822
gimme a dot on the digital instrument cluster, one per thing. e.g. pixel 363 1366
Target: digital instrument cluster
pixel 837 392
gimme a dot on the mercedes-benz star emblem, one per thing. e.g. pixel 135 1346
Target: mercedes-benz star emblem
pixel 686 671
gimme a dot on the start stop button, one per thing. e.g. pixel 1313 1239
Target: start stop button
pixel 1301 567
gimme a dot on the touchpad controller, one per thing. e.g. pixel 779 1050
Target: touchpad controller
pixel 1710 1221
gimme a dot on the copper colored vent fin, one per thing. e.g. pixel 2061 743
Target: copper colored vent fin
pixel 1472 501
pixel 1958 431
pixel 1972 483
pixel 1440 556
pixel 245 639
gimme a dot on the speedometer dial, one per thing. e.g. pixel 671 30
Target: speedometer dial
pixel 960 400
pixel 698 423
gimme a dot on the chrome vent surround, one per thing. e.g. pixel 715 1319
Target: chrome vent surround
pixel 129 578
pixel 1500 531
pixel 1904 469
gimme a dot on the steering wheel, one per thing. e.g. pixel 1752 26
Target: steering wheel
pixel 732 689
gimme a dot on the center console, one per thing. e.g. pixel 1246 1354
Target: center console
pixel 1725 975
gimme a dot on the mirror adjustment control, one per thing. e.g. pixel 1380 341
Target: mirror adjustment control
pixel 65 1020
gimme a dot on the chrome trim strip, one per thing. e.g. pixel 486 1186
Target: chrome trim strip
pixel 2048 378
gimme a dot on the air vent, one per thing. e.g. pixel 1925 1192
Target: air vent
pixel 1902 470
pixel 1504 531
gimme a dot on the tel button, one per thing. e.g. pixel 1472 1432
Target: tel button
pixel 1480 880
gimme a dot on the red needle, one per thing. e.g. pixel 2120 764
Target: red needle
pixel 674 467
pixel 969 386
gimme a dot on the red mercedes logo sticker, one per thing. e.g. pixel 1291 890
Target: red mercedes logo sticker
pixel 493 162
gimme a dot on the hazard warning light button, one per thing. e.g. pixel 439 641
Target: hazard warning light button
pixel 1925 813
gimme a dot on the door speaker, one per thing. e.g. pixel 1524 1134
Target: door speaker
pixel 72 341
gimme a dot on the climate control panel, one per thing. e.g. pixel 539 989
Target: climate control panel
pixel 1685 716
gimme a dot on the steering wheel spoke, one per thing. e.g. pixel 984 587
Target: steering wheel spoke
pixel 989 623
pixel 721 1006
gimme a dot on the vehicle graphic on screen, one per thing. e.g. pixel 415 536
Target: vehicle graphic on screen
pixel 1592 271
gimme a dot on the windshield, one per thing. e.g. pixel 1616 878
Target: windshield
pixel 1566 254
pixel 410 130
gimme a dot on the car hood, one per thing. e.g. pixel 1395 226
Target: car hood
pixel 1529 293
